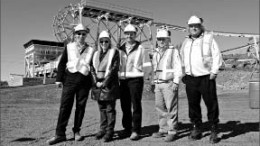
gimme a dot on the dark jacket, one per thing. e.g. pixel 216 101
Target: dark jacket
pixel 64 76
pixel 110 83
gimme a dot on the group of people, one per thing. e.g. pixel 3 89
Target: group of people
pixel 112 73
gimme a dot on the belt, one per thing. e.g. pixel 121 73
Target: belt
pixel 196 76
pixel 162 81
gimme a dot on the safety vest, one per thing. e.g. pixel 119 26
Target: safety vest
pixel 205 49
pixel 103 67
pixel 79 62
pixel 163 65
pixel 131 65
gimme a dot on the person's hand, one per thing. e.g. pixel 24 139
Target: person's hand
pixel 175 86
pixel 212 76
pixel 59 84
pixel 150 88
pixel 99 84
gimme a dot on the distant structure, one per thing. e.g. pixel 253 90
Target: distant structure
pixel 15 80
pixel 41 57
pixel 98 16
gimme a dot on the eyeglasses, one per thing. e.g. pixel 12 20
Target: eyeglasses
pixel 161 39
pixel 194 25
pixel 130 33
pixel 101 42
pixel 83 34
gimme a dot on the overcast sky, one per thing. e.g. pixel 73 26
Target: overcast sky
pixel 23 20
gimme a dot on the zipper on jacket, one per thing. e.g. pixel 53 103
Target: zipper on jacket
pixel 190 57
pixel 125 65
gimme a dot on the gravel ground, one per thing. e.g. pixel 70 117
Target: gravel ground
pixel 28 121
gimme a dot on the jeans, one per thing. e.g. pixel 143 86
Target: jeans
pixel 107 115
pixel 166 103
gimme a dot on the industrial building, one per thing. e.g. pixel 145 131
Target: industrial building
pixel 41 57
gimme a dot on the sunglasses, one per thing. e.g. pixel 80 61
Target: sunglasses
pixel 161 39
pixel 83 34
pixel 101 42
pixel 194 25
pixel 130 33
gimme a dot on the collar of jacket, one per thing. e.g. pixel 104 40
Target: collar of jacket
pixel 164 49
pixel 201 36
pixel 123 48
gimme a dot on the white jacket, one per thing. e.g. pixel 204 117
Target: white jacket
pixel 201 56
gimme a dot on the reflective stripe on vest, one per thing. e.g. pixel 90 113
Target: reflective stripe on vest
pixel 102 68
pixel 163 65
pixel 131 65
pixel 78 62
pixel 207 42
pixel 206 52
pixel 205 46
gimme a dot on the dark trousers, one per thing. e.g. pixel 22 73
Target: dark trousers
pixel 197 87
pixel 76 86
pixel 130 96
pixel 107 115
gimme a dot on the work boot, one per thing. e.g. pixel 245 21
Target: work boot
pixel 134 136
pixel 214 134
pixel 56 139
pixel 108 137
pixel 77 136
pixel 196 133
pixel 100 134
pixel 125 133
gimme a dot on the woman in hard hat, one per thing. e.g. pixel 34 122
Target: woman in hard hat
pixel 105 84
pixel 73 75
pixel 201 61
pixel 131 83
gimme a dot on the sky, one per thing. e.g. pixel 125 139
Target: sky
pixel 23 20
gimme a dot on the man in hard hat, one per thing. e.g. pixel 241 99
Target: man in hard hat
pixel 105 82
pixel 201 61
pixel 167 74
pixel 131 83
pixel 73 76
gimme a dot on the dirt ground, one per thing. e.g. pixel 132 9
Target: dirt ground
pixel 30 121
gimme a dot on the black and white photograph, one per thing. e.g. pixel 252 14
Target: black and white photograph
pixel 130 72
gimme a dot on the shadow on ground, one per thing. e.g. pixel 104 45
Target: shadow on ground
pixel 236 128
pixel 23 139
pixel 230 128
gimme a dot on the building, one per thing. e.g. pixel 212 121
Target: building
pixel 41 57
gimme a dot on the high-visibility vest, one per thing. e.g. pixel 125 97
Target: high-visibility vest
pixel 79 62
pixel 205 48
pixel 103 67
pixel 131 65
pixel 163 65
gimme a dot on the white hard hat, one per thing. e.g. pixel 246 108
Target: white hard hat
pixel 104 34
pixel 130 28
pixel 194 20
pixel 81 27
pixel 162 33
